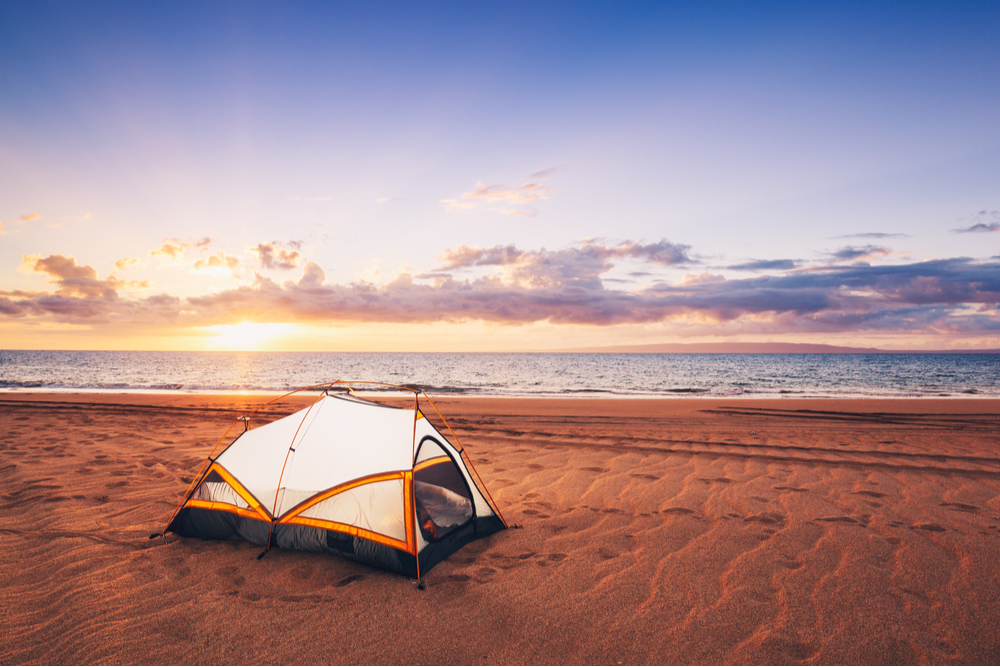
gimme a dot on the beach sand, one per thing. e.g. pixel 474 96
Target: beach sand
pixel 652 531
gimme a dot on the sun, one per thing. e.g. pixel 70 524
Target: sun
pixel 245 336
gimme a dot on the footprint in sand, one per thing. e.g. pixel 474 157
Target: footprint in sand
pixel 348 580
pixel 641 475
pixel 870 494
pixel 843 519
pixel 677 510
pixel 961 507
pixel 795 489
pixel 721 480
pixel 594 469
pixel 931 527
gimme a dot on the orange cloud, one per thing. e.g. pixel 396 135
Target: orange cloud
pixel 172 248
pixel 30 216
pixel 73 280
pixel 491 195
pixel 219 260
pixel 123 264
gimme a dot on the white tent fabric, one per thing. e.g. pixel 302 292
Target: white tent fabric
pixel 333 445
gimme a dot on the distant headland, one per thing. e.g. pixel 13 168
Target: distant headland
pixel 755 348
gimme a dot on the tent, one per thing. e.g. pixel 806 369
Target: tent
pixel 370 482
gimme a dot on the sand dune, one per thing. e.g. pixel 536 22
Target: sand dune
pixel 652 531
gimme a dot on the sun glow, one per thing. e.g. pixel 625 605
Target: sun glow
pixel 246 336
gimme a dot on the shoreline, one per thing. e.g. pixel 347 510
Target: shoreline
pixel 583 395
pixel 152 398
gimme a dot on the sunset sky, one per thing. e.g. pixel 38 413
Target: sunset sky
pixel 472 176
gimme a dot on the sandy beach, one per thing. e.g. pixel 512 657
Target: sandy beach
pixel 652 531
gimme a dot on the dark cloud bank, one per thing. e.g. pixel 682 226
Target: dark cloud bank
pixel 563 287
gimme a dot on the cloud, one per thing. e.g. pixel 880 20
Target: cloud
pixel 871 235
pixel 984 222
pixel 33 217
pixel 980 227
pixel 859 253
pixel 499 198
pixel 172 248
pixel 72 279
pixel 543 173
pixel 565 286
pixel 71 218
pixel 219 260
pixel 765 265
pixel 123 264
pixel 492 194
pixel 663 252
pixel 275 256
pixel 912 297
pixel 703 277
pixel 465 256
pixel 582 266
pixel 23 219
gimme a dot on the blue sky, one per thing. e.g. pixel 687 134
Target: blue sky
pixel 764 143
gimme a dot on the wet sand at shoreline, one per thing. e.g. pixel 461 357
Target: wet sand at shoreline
pixel 652 531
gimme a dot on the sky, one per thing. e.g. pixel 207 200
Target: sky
pixel 498 176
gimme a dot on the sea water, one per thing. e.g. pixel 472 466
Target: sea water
pixel 512 374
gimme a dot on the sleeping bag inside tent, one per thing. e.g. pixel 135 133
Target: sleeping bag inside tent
pixel 377 484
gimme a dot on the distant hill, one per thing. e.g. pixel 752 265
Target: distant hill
pixel 756 348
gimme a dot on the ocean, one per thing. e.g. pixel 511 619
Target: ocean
pixel 512 374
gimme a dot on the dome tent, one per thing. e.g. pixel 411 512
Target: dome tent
pixel 377 484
